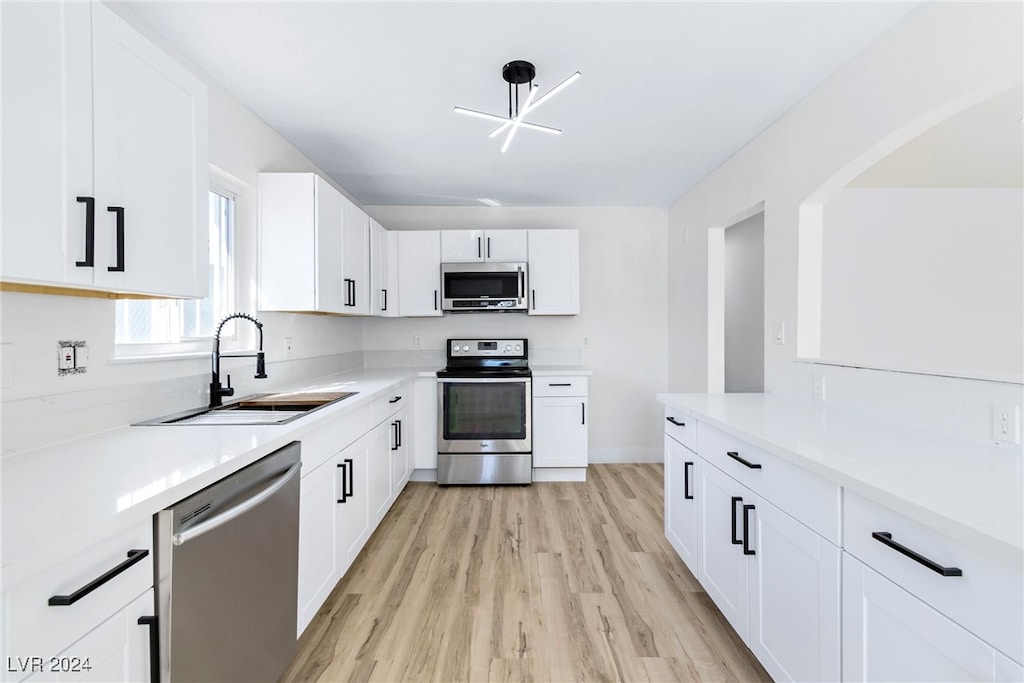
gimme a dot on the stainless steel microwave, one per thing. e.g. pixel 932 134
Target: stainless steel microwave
pixel 467 287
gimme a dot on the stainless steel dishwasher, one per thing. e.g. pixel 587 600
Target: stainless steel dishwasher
pixel 227 575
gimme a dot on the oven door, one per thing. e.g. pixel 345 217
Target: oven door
pixel 484 415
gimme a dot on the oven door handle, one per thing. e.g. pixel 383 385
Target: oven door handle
pixel 483 380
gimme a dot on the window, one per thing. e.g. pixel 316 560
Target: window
pixel 171 321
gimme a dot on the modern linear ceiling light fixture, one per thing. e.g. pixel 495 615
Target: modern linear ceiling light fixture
pixel 517 73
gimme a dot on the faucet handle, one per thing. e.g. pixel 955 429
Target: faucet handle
pixel 261 367
pixel 228 390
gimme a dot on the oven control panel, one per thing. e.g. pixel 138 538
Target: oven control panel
pixel 486 348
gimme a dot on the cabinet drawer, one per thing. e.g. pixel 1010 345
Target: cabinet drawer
pixel 812 500
pixel 388 404
pixel 34 628
pixel 560 386
pixel 681 427
pixel 987 599
pixel 323 442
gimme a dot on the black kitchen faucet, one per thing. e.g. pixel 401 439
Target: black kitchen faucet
pixel 216 390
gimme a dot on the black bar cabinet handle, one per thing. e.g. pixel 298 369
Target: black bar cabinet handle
pixel 686 481
pixel 479 254
pixel 886 538
pixel 735 499
pixel 134 556
pixel 118 212
pixel 154 647
pixel 351 479
pixel 344 481
pixel 736 456
pixel 399 433
pixel 396 399
pixel 488 247
pixel 394 436
pixel 534 292
pixel 746 530
pixel 90 231
pixel 353 292
pixel 559 384
pixel 583 413
pixel 384 307
pixel 676 422
pixel 435 299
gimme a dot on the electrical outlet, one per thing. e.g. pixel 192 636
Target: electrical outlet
pixel 287 347
pixel 780 333
pixel 586 341
pixel 81 357
pixel 417 341
pixel 1006 423
pixel 65 356
pixel 819 388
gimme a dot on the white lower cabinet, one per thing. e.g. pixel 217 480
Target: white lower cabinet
pixel 725 571
pixel 401 453
pixel 318 539
pixel 353 500
pixel 681 506
pixel 560 437
pixel 890 635
pixel 794 599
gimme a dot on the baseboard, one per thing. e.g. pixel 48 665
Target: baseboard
pixel 626 455
pixel 559 473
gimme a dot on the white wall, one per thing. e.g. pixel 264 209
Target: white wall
pixel 938 54
pixel 925 279
pixel 39 407
pixel 622 313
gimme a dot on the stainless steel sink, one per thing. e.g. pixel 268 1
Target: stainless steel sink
pixel 258 409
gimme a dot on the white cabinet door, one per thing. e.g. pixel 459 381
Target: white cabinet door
pixel 116 650
pixel 356 258
pixel 462 246
pixel 354 500
pixel 401 460
pixel 419 272
pixel 105 160
pixel 47 140
pixel 794 599
pixel 889 635
pixel 318 539
pixel 383 271
pixel 301 244
pixel 681 506
pixel 380 471
pixel 509 246
pixel 151 165
pixel 554 269
pixel 560 431
pixel 724 568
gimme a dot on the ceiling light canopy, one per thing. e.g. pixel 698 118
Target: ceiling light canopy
pixel 516 73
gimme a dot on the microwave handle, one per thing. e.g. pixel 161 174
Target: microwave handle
pixel 521 285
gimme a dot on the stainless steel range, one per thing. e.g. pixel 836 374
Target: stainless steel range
pixel 484 430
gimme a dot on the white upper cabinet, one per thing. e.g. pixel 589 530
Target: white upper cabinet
pixel 356 231
pixel 460 246
pixel 554 270
pixel 383 271
pixel 105 160
pixel 301 244
pixel 419 272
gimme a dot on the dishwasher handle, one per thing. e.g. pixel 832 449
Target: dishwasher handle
pixel 237 510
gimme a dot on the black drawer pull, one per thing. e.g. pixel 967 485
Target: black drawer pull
pixel 559 384
pixel 746 530
pixel 90 231
pixel 735 499
pixel 886 538
pixel 134 556
pixel 118 212
pixel 396 399
pixel 686 481
pixel 154 647
pixel 676 422
pixel 736 456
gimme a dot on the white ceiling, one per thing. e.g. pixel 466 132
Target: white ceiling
pixel 669 90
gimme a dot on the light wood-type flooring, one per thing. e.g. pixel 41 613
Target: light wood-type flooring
pixel 548 582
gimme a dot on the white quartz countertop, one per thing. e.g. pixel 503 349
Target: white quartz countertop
pixel 67 496
pixel 971 491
